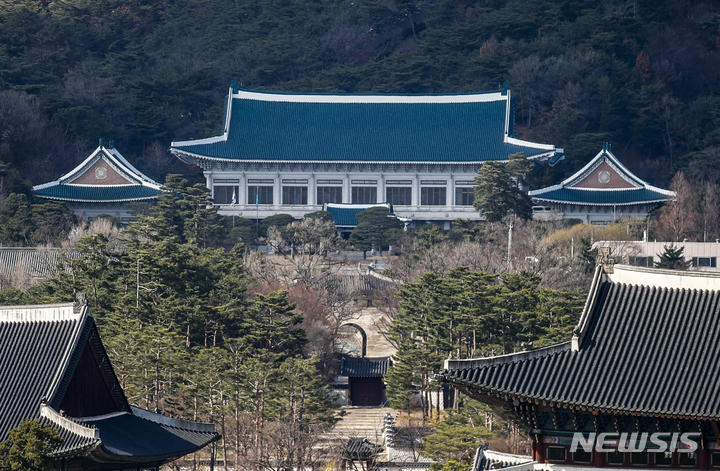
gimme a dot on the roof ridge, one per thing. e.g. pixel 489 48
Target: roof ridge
pixel 172 422
pixel 559 347
pixel 39 313
pixel 77 428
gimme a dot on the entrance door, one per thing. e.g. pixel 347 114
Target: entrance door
pixel 366 391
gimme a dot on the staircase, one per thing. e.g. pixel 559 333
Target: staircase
pixel 360 422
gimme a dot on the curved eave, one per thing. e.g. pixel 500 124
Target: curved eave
pixel 79 200
pixel 101 454
pixel 507 395
pixel 584 203
pixel 198 157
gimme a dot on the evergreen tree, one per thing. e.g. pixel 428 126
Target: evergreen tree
pixel 387 227
pixel 588 255
pixel 458 435
pixel 672 258
pixel 497 193
pixel 29 447
pixel 16 221
pixel 365 237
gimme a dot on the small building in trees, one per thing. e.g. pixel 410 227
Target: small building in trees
pixel 635 386
pixel 292 153
pixel 602 192
pixel 103 184
pixel 699 256
pixel 345 215
pixel 56 370
pixel 365 379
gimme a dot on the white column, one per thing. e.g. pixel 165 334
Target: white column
pixel 382 197
pixel 346 197
pixel 312 190
pixel 416 191
pixel 242 197
pixel 451 192
pixel 277 191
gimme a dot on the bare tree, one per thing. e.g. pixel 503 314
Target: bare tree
pixel 679 217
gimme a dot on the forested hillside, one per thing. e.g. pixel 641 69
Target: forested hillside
pixel 641 74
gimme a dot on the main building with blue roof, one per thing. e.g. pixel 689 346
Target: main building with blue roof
pixel 293 153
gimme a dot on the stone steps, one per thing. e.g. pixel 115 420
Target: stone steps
pixel 360 422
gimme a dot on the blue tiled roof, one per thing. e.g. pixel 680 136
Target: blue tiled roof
pixel 363 132
pixel 347 215
pixel 611 197
pixel 98 193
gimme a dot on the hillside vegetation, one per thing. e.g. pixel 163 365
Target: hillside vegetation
pixel 641 74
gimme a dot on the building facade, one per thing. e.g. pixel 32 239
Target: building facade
pixel 635 386
pixel 702 256
pixel 104 183
pixel 290 153
pixel 602 192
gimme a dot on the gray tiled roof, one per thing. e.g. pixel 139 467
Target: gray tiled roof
pixel 40 351
pixel 32 262
pixel 34 355
pixel 643 350
pixel 368 367
pixel 360 449
pixel 128 435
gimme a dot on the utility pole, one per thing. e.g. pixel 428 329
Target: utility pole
pixel 509 255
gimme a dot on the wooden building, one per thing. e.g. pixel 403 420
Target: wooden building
pixel 54 368
pixel 366 386
pixel 642 364
pixel 292 153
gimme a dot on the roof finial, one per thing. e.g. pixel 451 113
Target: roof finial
pixel 233 85
pixel 80 302
pixel 112 144
pixel 603 259
pixel 101 142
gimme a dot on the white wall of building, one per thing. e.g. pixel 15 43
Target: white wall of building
pixel 448 211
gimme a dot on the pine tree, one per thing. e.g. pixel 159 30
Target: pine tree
pixel 497 194
pixel 365 237
pixel 672 258
pixel 29 447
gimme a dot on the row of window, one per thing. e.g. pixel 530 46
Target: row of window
pixel 696 261
pixel 641 458
pixel 298 195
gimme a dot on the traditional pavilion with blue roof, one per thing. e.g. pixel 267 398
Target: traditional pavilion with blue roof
pixel 292 153
pixel 601 192
pixel 104 183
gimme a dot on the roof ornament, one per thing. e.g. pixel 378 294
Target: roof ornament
pixel 101 142
pixel 575 340
pixel 603 259
pixel 80 302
